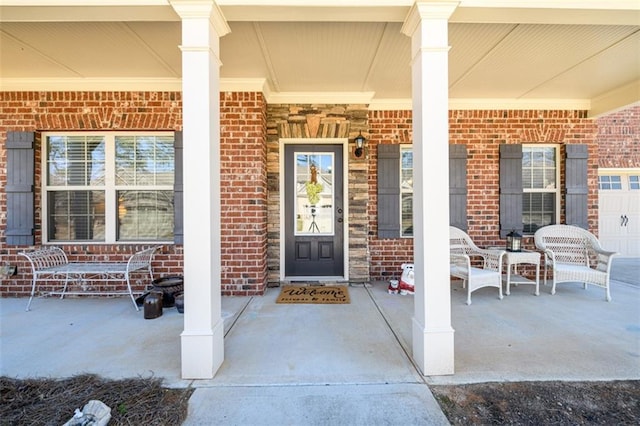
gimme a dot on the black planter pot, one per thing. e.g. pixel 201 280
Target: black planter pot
pixel 169 286
pixel 179 301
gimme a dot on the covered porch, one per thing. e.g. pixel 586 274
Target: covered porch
pixel 279 353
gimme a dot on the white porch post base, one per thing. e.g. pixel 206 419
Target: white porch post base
pixel 202 353
pixel 433 350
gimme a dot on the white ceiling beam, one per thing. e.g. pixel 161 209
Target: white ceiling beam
pixel 617 99
pixel 588 12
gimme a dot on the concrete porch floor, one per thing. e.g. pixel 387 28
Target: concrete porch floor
pixel 335 364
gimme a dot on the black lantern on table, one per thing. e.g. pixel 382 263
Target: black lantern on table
pixel 514 241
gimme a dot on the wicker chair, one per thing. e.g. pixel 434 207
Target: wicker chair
pixel 462 251
pixel 574 255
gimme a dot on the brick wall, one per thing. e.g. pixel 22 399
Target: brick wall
pixel 243 170
pixel 619 139
pixel 250 132
pixel 482 132
pixel 77 111
pixel 243 193
pixel 386 127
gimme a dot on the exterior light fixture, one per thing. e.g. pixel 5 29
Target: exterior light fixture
pixel 514 241
pixel 359 140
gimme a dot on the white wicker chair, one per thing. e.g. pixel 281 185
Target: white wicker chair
pixel 462 250
pixel 574 255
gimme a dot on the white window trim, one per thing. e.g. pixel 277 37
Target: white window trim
pixel 109 186
pixel 404 147
pixel 558 190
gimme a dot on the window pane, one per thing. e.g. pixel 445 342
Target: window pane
pixel 538 167
pixel 612 182
pixel 634 182
pixel 406 191
pixel 145 215
pixel 407 215
pixel 406 167
pixel 144 160
pixel 314 193
pixel 76 215
pixel 75 160
pixel 538 210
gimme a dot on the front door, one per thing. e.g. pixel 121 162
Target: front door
pixel 314 211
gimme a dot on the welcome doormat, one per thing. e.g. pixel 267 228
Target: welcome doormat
pixel 314 294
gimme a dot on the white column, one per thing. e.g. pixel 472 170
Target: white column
pixel 427 25
pixel 203 335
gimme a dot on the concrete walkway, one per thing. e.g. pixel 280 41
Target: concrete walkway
pixel 334 364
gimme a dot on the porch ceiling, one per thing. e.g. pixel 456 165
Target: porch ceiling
pixel 584 55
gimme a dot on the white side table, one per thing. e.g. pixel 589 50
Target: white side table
pixel 513 259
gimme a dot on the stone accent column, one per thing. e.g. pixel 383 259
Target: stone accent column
pixel 203 335
pixel 427 25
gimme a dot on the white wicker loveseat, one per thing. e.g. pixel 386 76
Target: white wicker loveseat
pixel 574 255
pixel 462 251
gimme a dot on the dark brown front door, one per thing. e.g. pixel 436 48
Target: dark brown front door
pixel 314 211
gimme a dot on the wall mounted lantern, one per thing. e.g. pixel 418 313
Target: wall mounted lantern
pixel 514 241
pixel 359 140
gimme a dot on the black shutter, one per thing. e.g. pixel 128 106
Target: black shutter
pixel 576 185
pixel 388 191
pixel 458 186
pixel 510 189
pixel 178 189
pixel 20 188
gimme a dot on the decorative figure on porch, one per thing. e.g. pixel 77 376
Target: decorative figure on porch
pixel 406 284
pixel 406 280
pixel 313 194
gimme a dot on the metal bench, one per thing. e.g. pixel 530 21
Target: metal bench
pixel 51 264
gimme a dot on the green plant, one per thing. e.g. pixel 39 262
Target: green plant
pixel 313 191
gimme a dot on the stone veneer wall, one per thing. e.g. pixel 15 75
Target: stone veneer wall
pixel 320 121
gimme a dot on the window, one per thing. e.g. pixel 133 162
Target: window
pixel 634 182
pixel 609 182
pixel 111 187
pixel 395 189
pixel 406 190
pixel 540 184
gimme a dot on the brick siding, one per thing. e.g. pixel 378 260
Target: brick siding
pixel 250 130
pixel 243 162
pixel 482 132
pixel 619 139
pixel 243 193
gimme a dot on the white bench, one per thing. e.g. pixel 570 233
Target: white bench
pixel 575 255
pixel 51 264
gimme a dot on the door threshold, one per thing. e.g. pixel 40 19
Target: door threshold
pixel 322 280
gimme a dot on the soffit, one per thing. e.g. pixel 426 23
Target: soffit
pixel 508 58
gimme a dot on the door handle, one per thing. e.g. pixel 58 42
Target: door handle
pixel 339 220
pixel 625 220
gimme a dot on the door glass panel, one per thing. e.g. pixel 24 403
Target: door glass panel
pixel 314 183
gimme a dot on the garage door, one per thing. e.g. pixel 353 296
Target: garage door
pixel 619 210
